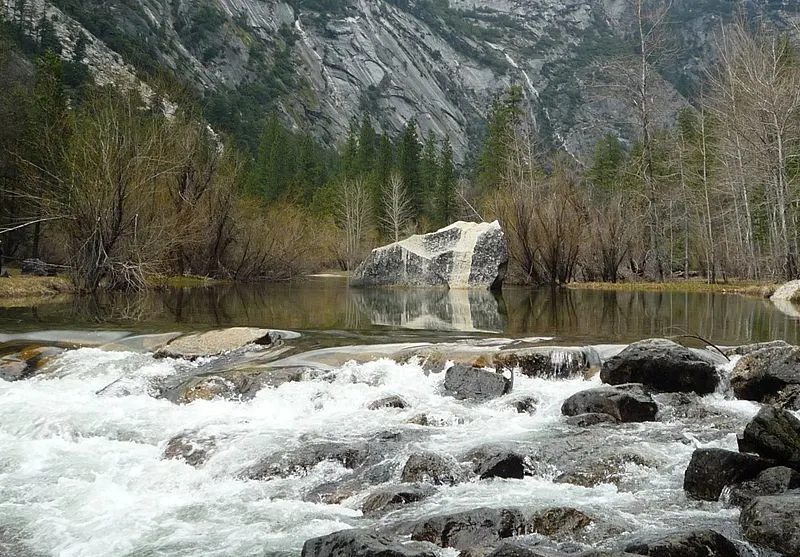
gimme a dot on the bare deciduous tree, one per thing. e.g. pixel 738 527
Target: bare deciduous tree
pixel 397 208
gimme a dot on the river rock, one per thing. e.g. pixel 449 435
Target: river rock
pixel 360 543
pixel 699 543
pixel 560 522
pixel 495 462
pixel 471 383
pixel 661 365
pixel 626 403
pixel 762 375
pixel 544 362
pixel 525 404
pixel 232 384
pixel 775 433
pixel 745 349
pixel 428 467
pixel 591 418
pixel 193 450
pixel 711 470
pixel 772 481
pixel 476 528
pixel 28 362
pixel 462 255
pixel 392 401
pixel 299 461
pixel 387 498
pixel 214 343
pixel 773 521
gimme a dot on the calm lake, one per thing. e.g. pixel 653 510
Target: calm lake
pixel 324 307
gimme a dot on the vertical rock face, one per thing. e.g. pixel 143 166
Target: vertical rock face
pixel 462 255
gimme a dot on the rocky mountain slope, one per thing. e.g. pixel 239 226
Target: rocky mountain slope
pixel 322 62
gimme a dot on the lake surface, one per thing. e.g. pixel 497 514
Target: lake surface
pixel 326 306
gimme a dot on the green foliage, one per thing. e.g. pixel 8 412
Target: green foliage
pixel 409 166
pixel 505 115
pixel 608 162
pixel 446 185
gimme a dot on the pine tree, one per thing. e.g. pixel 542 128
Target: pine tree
pixel 505 116
pixel 429 170
pixel 350 154
pixel 366 146
pixel 608 161
pixel 446 185
pixel 274 168
pixel 409 166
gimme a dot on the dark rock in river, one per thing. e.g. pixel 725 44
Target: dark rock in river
pixel 432 468
pixel 299 461
pixel 524 404
pixel 626 403
pixel 191 449
pixel 477 528
pixel 700 543
pixel 591 418
pixel 495 462
pixel 544 362
pixel 235 384
pixel 763 374
pixel 462 255
pixel 360 543
pixel 775 433
pixel 772 481
pixel 710 470
pixel 560 523
pixel 661 365
pixel 750 348
pixel 774 522
pixel 392 401
pixel 387 498
pixel 472 383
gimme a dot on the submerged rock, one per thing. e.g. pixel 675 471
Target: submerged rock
pixel 360 543
pixel 774 521
pixel 476 528
pixel 462 255
pixel 763 374
pixel 775 433
pixel 711 470
pixel 699 543
pixel 392 401
pixel 193 450
pixel 214 343
pixel 28 362
pixel 661 365
pixel 524 404
pixel 387 498
pixel 472 383
pixel 299 461
pixel 626 403
pixel 560 522
pixel 432 468
pixel 591 418
pixel 772 481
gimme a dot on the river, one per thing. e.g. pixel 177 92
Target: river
pixel 82 472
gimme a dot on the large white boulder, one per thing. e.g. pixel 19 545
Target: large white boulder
pixel 462 255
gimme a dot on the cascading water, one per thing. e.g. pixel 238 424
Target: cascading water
pixel 83 473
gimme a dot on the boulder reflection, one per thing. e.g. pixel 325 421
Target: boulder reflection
pixel 431 309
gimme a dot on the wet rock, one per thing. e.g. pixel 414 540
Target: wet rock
pixel 432 468
pixel 495 462
pixel 516 548
pixel 232 384
pixel 711 470
pixel 393 401
pixel 360 543
pixel 38 268
pixel 193 450
pixel 438 258
pixel 471 383
pixel 775 433
pixel 591 418
pixel 763 374
pixel 750 348
pixel 774 522
pixel 476 528
pixel 335 492
pixel 560 523
pixel 524 404
pixel 141 343
pixel 699 543
pixel 681 406
pixel 387 498
pixel 772 481
pixel 547 363
pixel 626 403
pixel 28 362
pixel 304 458
pixel 661 365
pixel 214 343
